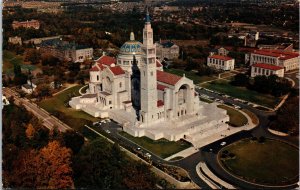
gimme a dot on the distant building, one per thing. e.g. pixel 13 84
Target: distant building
pixel 15 40
pixel 266 69
pixel 221 62
pixel 29 87
pixel 37 41
pixel 167 50
pixel 287 60
pixel 26 24
pixel 287 47
pixel 68 51
pixel 5 102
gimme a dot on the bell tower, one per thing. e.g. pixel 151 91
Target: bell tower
pixel 148 76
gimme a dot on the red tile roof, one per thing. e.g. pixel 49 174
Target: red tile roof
pixel 222 57
pixel 167 78
pixel 160 103
pixel 267 66
pixel 95 68
pixel 117 70
pixel 277 53
pixel 158 64
pixel 161 87
pixel 241 49
pixel 106 60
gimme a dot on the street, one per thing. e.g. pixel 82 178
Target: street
pixel 207 154
pixel 48 120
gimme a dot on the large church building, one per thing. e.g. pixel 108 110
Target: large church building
pixel 133 90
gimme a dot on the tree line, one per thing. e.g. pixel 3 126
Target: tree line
pixel 34 157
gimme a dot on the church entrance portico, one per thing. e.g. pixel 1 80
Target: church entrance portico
pixel 183 98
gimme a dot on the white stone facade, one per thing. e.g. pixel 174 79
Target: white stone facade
pixel 167 50
pixel 221 62
pixel 266 69
pixel 134 91
pixel 287 60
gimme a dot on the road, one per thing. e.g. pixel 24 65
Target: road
pixel 189 163
pixel 48 120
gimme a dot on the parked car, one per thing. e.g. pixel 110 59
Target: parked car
pixel 223 143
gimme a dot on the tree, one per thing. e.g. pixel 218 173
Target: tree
pixel 33 56
pixel 54 167
pixel 240 80
pixel 50 60
pixel 43 90
pixel 30 131
pixel 73 140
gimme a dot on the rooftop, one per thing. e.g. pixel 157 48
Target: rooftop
pixel 106 60
pixel 117 70
pixel 167 78
pixel 221 57
pixel 277 53
pixel 267 66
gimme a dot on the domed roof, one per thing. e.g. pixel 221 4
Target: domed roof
pixel 132 46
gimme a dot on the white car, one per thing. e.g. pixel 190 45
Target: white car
pixel 223 143
pixel 148 155
pixel 107 131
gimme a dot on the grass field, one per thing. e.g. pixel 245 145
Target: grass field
pixel 56 104
pixel 162 147
pixel 271 162
pixel 191 75
pixel 223 86
pixel 253 117
pixel 236 118
pixel 9 59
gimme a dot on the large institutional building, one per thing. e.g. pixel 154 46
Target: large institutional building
pixel 26 24
pixel 64 50
pixel 134 90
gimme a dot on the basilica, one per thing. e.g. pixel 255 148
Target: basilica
pixel 133 90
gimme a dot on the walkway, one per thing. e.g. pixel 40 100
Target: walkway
pixel 222 134
pixel 184 153
pixel 210 178
pixel 68 86
pixel 81 89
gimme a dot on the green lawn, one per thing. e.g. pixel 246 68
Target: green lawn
pixel 270 163
pixel 56 105
pixel 9 59
pixel 162 147
pixel 223 86
pixel 191 75
pixel 236 118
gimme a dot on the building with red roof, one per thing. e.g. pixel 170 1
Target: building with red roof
pixel 221 62
pixel 287 60
pixel 133 90
pixel 266 69
pixel 106 60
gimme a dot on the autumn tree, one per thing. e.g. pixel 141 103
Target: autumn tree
pixel 54 167
pixel 33 56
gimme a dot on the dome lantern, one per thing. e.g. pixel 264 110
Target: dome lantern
pixel 131 36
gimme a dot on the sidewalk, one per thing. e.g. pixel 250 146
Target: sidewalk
pixel 213 181
pixel 68 86
pixel 220 135
pixel 184 153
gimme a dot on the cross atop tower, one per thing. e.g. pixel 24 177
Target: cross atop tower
pixel 147 16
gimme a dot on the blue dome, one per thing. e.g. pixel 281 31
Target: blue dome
pixel 131 47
